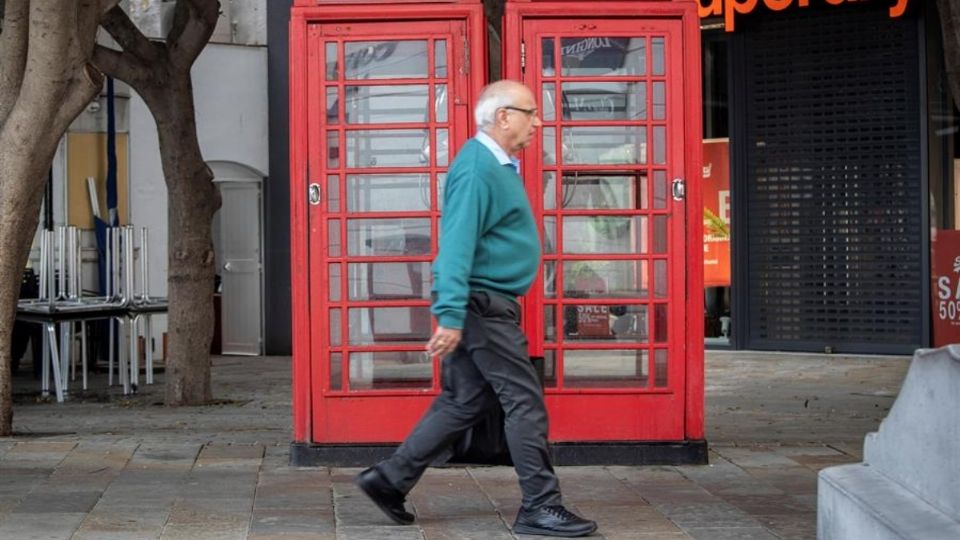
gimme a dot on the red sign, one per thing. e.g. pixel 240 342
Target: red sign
pixel 945 288
pixel 716 213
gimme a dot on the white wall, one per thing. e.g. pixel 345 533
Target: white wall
pixel 230 89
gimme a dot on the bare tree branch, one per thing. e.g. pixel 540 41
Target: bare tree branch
pixel 950 25
pixel 193 24
pixel 118 24
pixel 13 53
pixel 119 65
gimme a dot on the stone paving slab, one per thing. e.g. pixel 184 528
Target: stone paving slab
pixel 121 468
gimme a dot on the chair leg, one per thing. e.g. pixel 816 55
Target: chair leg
pixel 55 361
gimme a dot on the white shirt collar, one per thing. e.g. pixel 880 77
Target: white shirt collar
pixel 498 151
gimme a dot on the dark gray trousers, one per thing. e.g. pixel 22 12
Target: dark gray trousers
pixel 489 368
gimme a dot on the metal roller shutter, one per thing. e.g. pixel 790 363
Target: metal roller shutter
pixel 834 199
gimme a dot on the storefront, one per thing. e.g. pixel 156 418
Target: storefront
pixel 379 105
pixel 829 143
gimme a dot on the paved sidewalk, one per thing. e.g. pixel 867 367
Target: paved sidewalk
pixel 103 466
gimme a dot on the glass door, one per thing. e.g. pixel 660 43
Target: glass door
pixel 385 114
pixel 607 313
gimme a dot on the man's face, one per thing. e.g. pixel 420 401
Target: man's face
pixel 522 119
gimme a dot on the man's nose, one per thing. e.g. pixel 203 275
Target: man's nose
pixel 536 121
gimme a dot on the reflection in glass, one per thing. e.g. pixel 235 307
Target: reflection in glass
pixel 333 278
pixel 390 281
pixel 336 371
pixel 659 100
pixel 603 56
pixel 333 66
pixel 336 328
pixel 549 145
pixel 604 234
pixel 388 192
pixel 550 279
pixel 442 148
pixel 333 193
pixel 333 115
pixel 386 104
pixel 550 323
pixel 548 104
pixel 609 145
pixel 550 369
pixel 659 145
pixel 586 191
pixel 388 148
pixel 386 59
pixel 604 368
pixel 549 234
pixel 440 58
pixel 627 323
pixel 659 189
pixel 547 59
pixel 656 48
pixel 659 234
pixel 333 149
pixel 390 370
pixel 660 323
pixel 660 278
pixel 604 101
pixel 333 238
pixel 605 279
pixel 549 190
pixel 441 185
pixel 440 103
pixel 389 325
pixel 388 237
pixel 660 368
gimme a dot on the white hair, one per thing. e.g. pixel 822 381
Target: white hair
pixel 494 96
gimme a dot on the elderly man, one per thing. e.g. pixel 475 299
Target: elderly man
pixel 489 255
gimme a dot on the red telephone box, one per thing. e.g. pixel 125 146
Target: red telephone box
pixel 381 99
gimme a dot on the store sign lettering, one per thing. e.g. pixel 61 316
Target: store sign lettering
pixel 945 289
pixel 731 8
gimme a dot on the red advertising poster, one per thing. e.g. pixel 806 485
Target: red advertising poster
pixel 716 213
pixel 945 288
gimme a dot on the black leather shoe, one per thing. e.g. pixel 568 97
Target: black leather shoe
pixel 552 521
pixel 384 495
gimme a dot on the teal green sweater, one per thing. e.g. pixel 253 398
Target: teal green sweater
pixel 488 238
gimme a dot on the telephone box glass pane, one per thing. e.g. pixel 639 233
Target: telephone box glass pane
pixel 604 234
pixel 604 101
pixel 390 281
pixel 605 279
pixel 587 192
pixel 388 148
pixel 604 368
pixel 402 59
pixel 387 104
pixel 389 325
pixel 619 323
pixel 388 237
pixel 607 145
pixel 388 193
pixel 390 370
pixel 596 56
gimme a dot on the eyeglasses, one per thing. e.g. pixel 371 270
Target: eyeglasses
pixel 528 112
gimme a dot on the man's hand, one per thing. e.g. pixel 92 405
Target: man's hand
pixel 444 341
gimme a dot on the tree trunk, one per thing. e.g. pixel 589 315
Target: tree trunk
pixel 193 199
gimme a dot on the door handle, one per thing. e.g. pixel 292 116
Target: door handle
pixel 314 194
pixel 679 189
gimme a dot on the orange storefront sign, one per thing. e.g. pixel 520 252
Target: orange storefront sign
pixel 716 212
pixel 731 8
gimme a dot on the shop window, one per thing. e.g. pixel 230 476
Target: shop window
pixel 718 322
